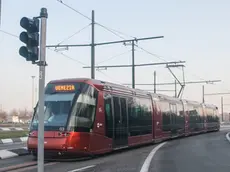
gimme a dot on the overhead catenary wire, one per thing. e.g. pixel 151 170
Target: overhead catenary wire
pixel 161 58
pixel 105 27
pixel 155 55
pixel 60 1
pixel 120 54
pixel 121 33
pixel 109 77
pixel 73 9
pixel 77 61
pixel 148 52
pixel 84 28
pixel 110 31
pixel 13 35
pixel 67 56
pixel 69 37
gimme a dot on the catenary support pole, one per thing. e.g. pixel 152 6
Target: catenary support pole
pixel 203 93
pixel 42 64
pixel 133 65
pixel 93 49
pixel 222 108
pixel 175 88
pixel 155 81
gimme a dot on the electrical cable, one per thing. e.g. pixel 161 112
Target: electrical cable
pixel 160 57
pixel 73 9
pixel 9 33
pixel 66 39
pixel 109 77
pixel 68 57
pixel 114 57
pixel 105 27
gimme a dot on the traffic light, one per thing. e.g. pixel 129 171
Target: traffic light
pixel 30 38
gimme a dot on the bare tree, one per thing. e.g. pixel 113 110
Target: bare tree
pixel 30 114
pixel 13 112
pixel 24 115
pixel 3 116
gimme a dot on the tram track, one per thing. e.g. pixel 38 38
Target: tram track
pixel 24 167
pixel 19 166
pixel 15 165
pixel 134 157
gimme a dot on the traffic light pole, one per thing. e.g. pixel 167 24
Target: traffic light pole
pixel 42 64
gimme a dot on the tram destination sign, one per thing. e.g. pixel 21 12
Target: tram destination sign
pixel 63 87
pixel 67 88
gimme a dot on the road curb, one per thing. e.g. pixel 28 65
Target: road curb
pixel 227 136
pixel 12 129
pixel 13 140
pixel 5 154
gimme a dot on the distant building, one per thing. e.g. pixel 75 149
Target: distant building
pixel 24 119
pixel 226 117
pixel 2 119
pixel 13 119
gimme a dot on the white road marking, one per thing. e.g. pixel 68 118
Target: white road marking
pixel 227 136
pixel 19 129
pixel 7 154
pixel 23 139
pixel 83 168
pixel 7 141
pixel 5 129
pixel 145 166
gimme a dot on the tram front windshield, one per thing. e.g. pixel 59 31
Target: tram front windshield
pixel 56 110
pixel 73 108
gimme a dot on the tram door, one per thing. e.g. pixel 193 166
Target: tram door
pixel 120 122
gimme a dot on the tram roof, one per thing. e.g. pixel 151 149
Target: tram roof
pixel 114 85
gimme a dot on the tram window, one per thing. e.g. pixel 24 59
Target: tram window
pixel 191 113
pixel 212 115
pixel 173 113
pixel 165 110
pixel 146 116
pixel 136 108
pixel 109 118
pixel 198 117
pixel 123 112
pixel 84 110
pixel 130 102
pixel 131 116
pixel 216 115
pixel 180 116
pixel 209 114
pixel 140 116
pixel 200 110
pixel 117 112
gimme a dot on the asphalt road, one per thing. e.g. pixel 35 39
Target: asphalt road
pixel 14 161
pixel 12 145
pixel 207 152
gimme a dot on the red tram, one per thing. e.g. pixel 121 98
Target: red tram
pixel 88 117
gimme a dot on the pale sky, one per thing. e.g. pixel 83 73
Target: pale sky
pixel 195 31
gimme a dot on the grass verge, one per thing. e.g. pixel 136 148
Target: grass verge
pixel 14 125
pixel 12 134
